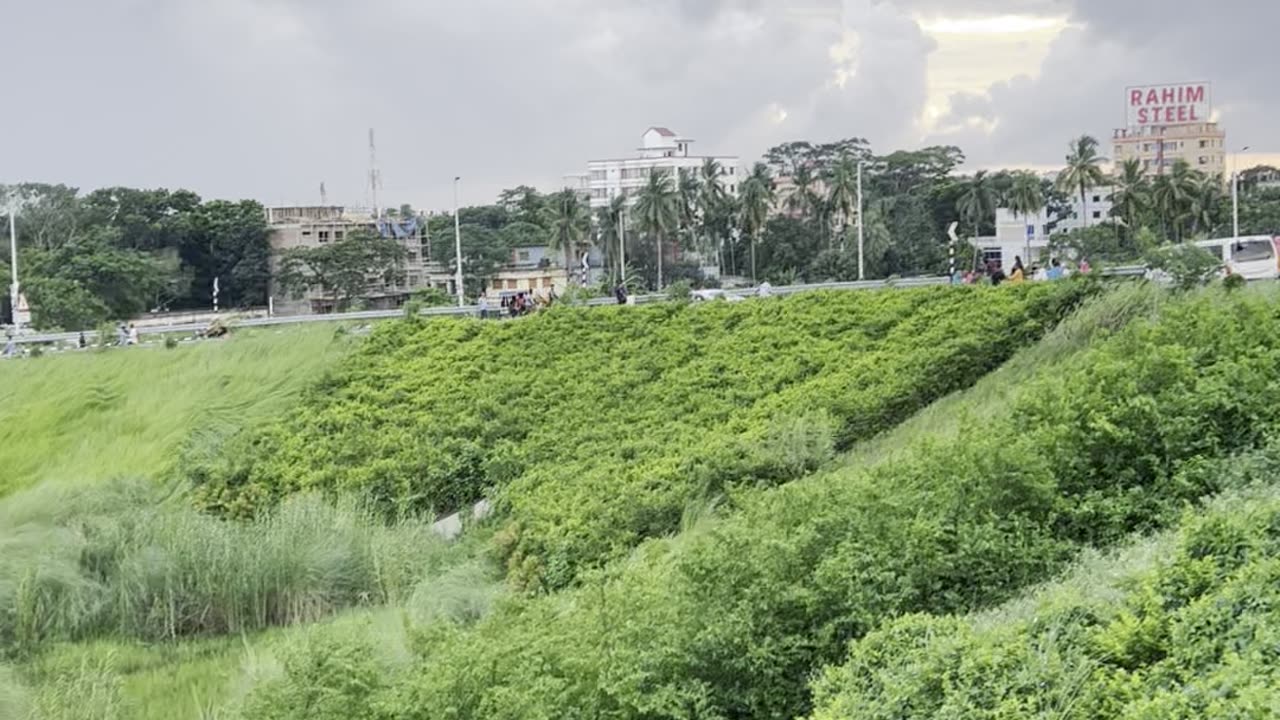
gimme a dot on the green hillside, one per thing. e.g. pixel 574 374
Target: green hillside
pixel 732 618
pixel 597 429
pixel 91 416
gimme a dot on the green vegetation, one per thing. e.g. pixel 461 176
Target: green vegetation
pixel 1183 626
pixel 597 429
pixel 90 416
pixel 731 618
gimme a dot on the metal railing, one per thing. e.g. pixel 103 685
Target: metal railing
pixel 472 310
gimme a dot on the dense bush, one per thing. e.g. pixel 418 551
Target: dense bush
pixel 732 618
pixel 597 428
pixel 1185 627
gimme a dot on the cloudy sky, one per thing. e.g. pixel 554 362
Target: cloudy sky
pixel 268 98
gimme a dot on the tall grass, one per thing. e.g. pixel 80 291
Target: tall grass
pixel 118 560
pixel 124 412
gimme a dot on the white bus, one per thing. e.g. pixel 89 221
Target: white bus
pixel 1256 257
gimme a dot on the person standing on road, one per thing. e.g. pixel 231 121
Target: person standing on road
pixel 1055 270
pixel 133 334
pixel 483 304
pixel 122 335
pixel 1019 272
pixel 81 341
pixel 10 346
pixel 620 294
pixel 995 273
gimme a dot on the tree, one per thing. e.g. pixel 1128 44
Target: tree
pixel 1026 198
pixel 1207 203
pixel 228 241
pixel 1173 193
pixel 568 221
pixel 842 191
pixel 803 201
pixel 757 202
pixel 523 204
pixel 657 212
pixel 608 233
pixel 1083 171
pixel 484 252
pixel 711 202
pixel 344 269
pixel 90 280
pixel 977 201
pixel 687 189
pixel 1131 198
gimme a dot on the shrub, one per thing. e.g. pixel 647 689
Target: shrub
pixel 595 429
pixel 1187 265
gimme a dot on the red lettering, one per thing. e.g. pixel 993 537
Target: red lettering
pixel 1153 98
pixel 1182 113
pixel 1195 94
pixel 1169 96
pixel 1142 116
pixel 1135 98
pixel 1194 117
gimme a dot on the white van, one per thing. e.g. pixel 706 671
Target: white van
pixel 1256 257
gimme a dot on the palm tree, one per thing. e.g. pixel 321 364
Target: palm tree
pixel 657 211
pixel 842 191
pixel 803 201
pixel 757 200
pixel 1206 202
pixel 1173 193
pixel 1132 194
pixel 569 220
pixel 1083 171
pixel 608 221
pixel 978 200
pixel 711 201
pixel 1026 198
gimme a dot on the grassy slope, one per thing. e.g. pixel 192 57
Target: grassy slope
pixel 86 417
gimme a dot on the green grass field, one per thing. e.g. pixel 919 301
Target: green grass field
pixel 85 417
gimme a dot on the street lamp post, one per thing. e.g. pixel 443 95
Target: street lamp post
pixel 457 240
pixel 1235 192
pixel 622 246
pixel 860 226
pixel 14 294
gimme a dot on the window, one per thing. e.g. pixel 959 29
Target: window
pixel 338 234
pixel 1146 147
pixel 1097 198
pixel 324 236
pixel 1216 251
pixel 733 170
pixel 512 284
pixel 546 282
pixel 1253 251
pixel 522 256
pixel 415 281
pixel 993 255
pixel 1097 214
pixel 411 257
pixel 733 189
pixel 1204 160
pixel 306 233
pixel 1204 144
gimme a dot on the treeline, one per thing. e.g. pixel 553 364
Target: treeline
pixel 117 252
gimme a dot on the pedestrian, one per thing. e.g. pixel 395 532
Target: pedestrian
pixel 82 342
pixel 1055 270
pixel 1039 274
pixel 765 290
pixel 10 345
pixel 1084 267
pixel 1019 273
pixel 620 294
pixel 483 304
pixel 133 334
pixel 995 273
pixel 122 335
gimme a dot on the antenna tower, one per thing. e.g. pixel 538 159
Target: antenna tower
pixel 375 176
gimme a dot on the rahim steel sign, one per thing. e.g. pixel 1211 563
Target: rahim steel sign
pixel 1169 104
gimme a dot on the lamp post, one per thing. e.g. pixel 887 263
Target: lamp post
pixel 457 240
pixel 622 245
pixel 1235 192
pixel 860 226
pixel 14 294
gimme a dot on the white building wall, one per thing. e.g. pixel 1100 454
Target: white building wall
pixel 661 150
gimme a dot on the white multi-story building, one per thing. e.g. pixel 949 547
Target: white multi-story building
pixel 1026 236
pixel 661 150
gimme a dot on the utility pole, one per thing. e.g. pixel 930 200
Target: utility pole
pixel 860 164
pixel 622 244
pixel 13 261
pixel 457 239
pixel 1235 192
pixel 375 177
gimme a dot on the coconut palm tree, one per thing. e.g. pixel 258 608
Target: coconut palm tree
pixel 657 211
pixel 711 201
pixel 1083 171
pixel 803 201
pixel 568 219
pixel 608 221
pixel 1131 196
pixel 1173 193
pixel 757 200
pixel 842 191
pixel 978 201
pixel 1026 197
pixel 687 188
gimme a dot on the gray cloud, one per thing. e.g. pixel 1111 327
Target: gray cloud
pixel 267 98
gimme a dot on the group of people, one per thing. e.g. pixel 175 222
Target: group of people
pixel 126 335
pixel 996 275
pixel 522 303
